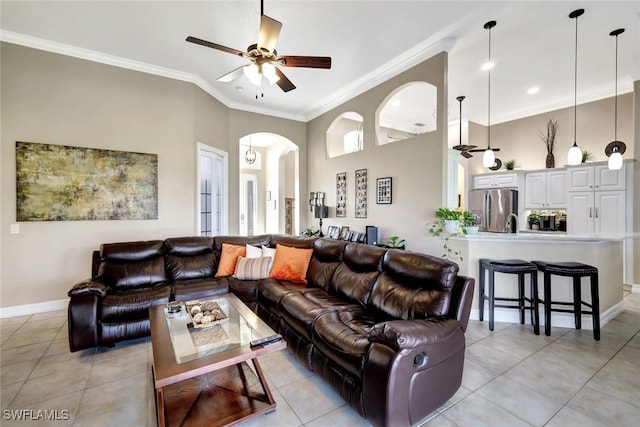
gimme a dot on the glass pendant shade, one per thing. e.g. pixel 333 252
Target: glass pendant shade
pixel 253 74
pixel 269 71
pixel 574 156
pixel 615 161
pixel 488 158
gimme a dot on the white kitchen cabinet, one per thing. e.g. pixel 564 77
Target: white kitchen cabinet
pixel 497 180
pixel 595 178
pixel 596 212
pixel 545 189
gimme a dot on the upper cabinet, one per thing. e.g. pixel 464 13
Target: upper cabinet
pixel 595 178
pixel 495 180
pixel 545 189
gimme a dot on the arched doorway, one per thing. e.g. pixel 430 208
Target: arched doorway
pixel 269 186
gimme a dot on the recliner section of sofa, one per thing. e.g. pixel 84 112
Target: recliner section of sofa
pixel 383 327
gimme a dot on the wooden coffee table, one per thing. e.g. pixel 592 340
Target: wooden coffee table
pixel 210 376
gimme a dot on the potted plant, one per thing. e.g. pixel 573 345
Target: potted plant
pixel 587 156
pixel 469 223
pixel 451 219
pixel 534 221
pixel 511 164
pixel 445 226
pixel 310 232
pixel 394 242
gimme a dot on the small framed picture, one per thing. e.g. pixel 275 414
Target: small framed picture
pixel 383 191
pixel 332 232
pixel 343 232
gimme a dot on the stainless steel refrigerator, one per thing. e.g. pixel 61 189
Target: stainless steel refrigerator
pixel 493 208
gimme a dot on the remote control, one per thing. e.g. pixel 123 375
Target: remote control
pixel 261 342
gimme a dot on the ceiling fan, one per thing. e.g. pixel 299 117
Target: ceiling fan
pixel 264 57
pixel 467 149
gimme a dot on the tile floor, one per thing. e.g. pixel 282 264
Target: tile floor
pixel 512 378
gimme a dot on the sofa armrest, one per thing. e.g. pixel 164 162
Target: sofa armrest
pixel 411 334
pixel 88 287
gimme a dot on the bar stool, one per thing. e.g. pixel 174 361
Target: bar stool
pixel 576 271
pixel 510 266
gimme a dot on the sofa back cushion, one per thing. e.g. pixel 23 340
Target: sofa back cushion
pixel 413 286
pixel 190 257
pixel 132 265
pixel 355 276
pixel 291 241
pixel 327 255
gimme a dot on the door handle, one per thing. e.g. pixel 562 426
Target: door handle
pixel 590 212
pixel 596 212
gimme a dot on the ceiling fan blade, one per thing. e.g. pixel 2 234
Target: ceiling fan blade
pixel 464 147
pixel 232 75
pixel 215 46
pixel 305 61
pixel 480 150
pixel 269 33
pixel 284 83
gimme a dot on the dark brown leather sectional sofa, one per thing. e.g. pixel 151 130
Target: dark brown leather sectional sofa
pixel 384 327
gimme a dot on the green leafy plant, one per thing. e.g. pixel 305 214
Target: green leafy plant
pixel 310 232
pixel 394 242
pixel 533 218
pixel 448 214
pixel 438 229
pixel 587 156
pixel 511 164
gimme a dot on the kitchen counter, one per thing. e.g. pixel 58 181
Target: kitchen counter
pixel 555 236
pixel 603 251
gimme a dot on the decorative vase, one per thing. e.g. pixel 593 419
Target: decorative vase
pixel 451 225
pixel 550 162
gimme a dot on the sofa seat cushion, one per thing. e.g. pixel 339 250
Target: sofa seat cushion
pixel 271 292
pixel 246 290
pixel 300 309
pixel 185 290
pixel 342 336
pixel 132 305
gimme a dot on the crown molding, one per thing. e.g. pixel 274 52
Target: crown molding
pixel 116 61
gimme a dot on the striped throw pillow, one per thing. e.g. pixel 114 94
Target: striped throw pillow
pixel 253 268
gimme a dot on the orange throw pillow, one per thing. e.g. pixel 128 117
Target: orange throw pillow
pixel 291 264
pixel 229 258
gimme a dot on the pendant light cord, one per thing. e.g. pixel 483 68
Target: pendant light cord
pixel 489 97
pixel 615 110
pixel 575 88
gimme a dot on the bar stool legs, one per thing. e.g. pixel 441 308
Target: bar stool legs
pixel 509 266
pixel 576 271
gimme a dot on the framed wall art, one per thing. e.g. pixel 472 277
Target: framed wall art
pixel 383 191
pixel 361 193
pixel 64 183
pixel 341 194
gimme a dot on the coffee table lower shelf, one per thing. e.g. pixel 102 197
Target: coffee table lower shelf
pixel 220 398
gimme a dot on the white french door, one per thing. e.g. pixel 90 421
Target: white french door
pixel 212 191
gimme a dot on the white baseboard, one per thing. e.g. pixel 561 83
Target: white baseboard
pixel 39 307
pixel 560 320
pixel 635 289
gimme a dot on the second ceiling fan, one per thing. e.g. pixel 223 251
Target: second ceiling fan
pixel 263 57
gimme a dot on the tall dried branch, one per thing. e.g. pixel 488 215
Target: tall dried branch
pixel 549 138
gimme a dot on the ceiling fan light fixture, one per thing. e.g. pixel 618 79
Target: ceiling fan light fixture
pixel 252 71
pixel 269 71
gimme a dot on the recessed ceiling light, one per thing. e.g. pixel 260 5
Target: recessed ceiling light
pixel 533 90
pixel 487 66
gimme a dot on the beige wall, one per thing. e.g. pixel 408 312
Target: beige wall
pixel 416 165
pixel 636 182
pixel 50 98
pixel 519 140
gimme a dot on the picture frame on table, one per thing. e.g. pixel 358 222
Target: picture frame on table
pixel 343 232
pixel 333 232
pixel 384 191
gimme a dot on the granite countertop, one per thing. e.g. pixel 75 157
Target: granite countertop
pixel 549 236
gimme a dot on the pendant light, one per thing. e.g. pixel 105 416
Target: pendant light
pixel 489 157
pixel 250 154
pixel 464 148
pixel 574 156
pixel 615 149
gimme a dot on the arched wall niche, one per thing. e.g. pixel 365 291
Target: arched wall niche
pixel 408 111
pixel 345 135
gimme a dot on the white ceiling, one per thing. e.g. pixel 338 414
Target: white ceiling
pixel 369 41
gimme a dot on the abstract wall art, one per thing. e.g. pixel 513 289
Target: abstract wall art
pixel 63 183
